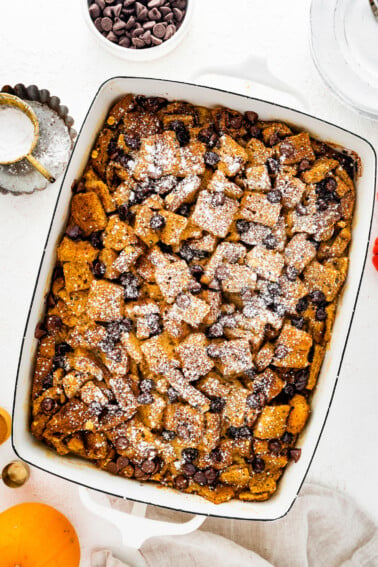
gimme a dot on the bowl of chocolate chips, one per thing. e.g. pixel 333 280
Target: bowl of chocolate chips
pixel 138 30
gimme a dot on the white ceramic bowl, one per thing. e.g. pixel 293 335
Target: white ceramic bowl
pixel 139 55
pixel 81 472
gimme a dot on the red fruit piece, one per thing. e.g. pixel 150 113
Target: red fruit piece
pixel 375 262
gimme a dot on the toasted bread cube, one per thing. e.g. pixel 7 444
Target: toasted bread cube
pixel 184 192
pixel 173 323
pixel 87 336
pixel 127 258
pixel 105 301
pixel 152 414
pixel 255 234
pixel 272 422
pixel 214 386
pixel 217 495
pixel 186 391
pixel 212 432
pixel 238 278
pixel 270 383
pixel 158 155
pixel 267 264
pixel 71 251
pixel 191 159
pixel 186 422
pixel 232 156
pixel 205 243
pixel 292 292
pixel 72 383
pixel 121 195
pixel 124 395
pixel 319 170
pixel 264 357
pixel 296 148
pixel 347 205
pixel 143 227
pixel 116 361
pixel 299 252
pixel 296 344
pixel 108 257
pixel 299 414
pixel 229 251
pixel 214 301
pixel 236 406
pixel 77 276
pixel 323 278
pixel 118 234
pixel 291 189
pixel 159 354
pixel 172 279
pixel 316 364
pixel 236 475
pixel 132 346
pixel 193 310
pixel 214 219
pixel 234 357
pixel 261 482
pixel 95 184
pixel 175 225
pixel 194 359
pixel 87 212
pixel 258 178
pixel 219 182
pixel 256 207
pixel 90 393
pixel 257 152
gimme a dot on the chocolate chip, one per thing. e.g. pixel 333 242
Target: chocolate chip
pixel 40 331
pixel 254 131
pixel 274 196
pixel 317 297
pixel 287 438
pixel 94 11
pixel 250 373
pixel 218 199
pixel 215 331
pixel 304 165
pixel 195 288
pixel 148 466
pixel 190 454
pixel 62 348
pixel 48 405
pixel 270 242
pixel 196 270
pixel 211 158
pixel 159 30
pixel 74 232
pixel 98 269
pixel 123 212
pixel 273 139
pixel 182 133
pixel 140 475
pixel 295 454
pixel 216 455
pixel 287 149
pixel 251 116
pixel 122 463
pixel 172 395
pixel 321 314
pixel 298 322
pixel 96 240
pixel 322 205
pixel 256 400
pixel 258 464
pixel 273 165
pixel 281 351
pixel 145 399
pixel 200 478
pixel 146 385
pixel 168 435
pixel 222 272
pixel 181 482
pixel 301 379
pixel 242 226
pixel 183 301
pixel 157 222
pixel 301 209
pixel 274 446
pixel 186 253
pixel 208 136
pixel 217 405
pixel 53 324
pixel 302 305
pixel 106 24
pixel 291 273
pixel 154 324
pixel 121 444
pixel 274 289
pixel 189 469
pixel 48 382
pixel 211 475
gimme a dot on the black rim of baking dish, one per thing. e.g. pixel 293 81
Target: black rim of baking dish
pixel 299 113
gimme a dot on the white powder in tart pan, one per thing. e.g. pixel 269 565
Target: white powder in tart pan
pixel 16 134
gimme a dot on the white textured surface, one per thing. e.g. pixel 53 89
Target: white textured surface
pixel 47 43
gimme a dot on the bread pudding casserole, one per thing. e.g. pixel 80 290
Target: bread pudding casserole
pixel 193 297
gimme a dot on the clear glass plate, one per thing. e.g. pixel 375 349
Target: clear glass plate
pixel 344 40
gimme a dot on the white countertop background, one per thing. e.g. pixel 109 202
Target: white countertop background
pixel 46 42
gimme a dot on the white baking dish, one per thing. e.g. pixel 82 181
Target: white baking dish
pixel 81 472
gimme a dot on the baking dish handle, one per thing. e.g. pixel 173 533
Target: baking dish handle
pixel 255 69
pixel 134 527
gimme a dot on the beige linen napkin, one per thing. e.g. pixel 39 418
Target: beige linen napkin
pixel 323 529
